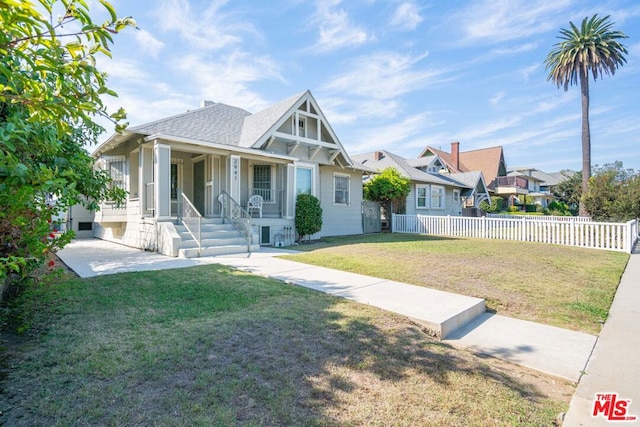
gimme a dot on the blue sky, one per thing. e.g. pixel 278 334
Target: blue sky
pixel 395 75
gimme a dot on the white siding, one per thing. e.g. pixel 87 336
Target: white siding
pixel 340 220
pixel 450 208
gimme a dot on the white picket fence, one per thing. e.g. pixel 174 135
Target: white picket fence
pixel 542 217
pixel 595 235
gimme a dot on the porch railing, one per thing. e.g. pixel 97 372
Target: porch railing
pixel 191 218
pixel 231 211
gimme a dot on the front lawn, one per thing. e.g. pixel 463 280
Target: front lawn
pixel 212 346
pixel 557 285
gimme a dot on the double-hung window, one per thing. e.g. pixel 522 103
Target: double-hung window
pixel 115 167
pixel 437 197
pixel 263 182
pixel 341 189
pixel 422 196
pixel 456 196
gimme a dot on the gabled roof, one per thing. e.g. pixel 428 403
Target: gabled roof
pixel 257 125
pixel 217 123
pixel 386 159
pixel 486 160
pixel 225 125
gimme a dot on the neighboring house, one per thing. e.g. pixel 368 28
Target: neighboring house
pixel 489 161
pixel 432 193
pixel 215 158
pixel 540 184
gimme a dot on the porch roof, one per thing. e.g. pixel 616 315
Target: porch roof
pixel 217 146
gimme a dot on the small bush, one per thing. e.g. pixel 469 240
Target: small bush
pixel 513 209
pixel 495 206
pixel 308 215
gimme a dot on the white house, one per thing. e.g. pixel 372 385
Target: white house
pixel 191 175
pixel 432 192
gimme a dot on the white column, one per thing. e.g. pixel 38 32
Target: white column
pixel 290 194
pixel 234 177
pixel 162 174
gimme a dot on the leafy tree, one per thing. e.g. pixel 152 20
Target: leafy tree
pixel 569 191
pixel 614 193
pixel 308 215
pixel 50 95
pixel 389 188
pixel 595 48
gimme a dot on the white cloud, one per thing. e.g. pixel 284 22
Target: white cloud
pixel 495 99
pixel 385 75
pixel 390 136
pixel 148 43
pixel 527 71
pixel 496 21
pixel 406 17
pixel 208 29
pixel 337 29
pixel 227 79
pixel 513 50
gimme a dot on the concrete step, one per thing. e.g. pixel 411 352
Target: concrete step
pixel 228 241
pixel 216 250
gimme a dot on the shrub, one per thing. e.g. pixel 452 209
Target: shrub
pixel 513 209
pixel 495 206
pixel 308 215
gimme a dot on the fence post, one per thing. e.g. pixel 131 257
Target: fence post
pixel 484 227
pixel 393 222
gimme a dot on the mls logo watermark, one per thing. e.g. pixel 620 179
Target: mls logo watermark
pixel 609 406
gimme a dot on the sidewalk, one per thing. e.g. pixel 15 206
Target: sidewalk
pixel 614 366
pixel 552 350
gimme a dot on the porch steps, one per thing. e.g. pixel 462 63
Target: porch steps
pixel 217 239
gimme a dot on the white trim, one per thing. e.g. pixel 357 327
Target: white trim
pixel 314 177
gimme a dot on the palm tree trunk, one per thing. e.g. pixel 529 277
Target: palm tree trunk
pixel 586 139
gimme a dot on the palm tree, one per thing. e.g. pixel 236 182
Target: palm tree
pixel 592 47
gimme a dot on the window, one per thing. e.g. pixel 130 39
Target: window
pixel 341 189
pixel 262 181
pixel 115 169
pixel 456 196
pixel 301 126
pixel 421 197
pixel 303 180
pixel 437 197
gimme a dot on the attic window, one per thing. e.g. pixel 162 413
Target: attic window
pixel 301 126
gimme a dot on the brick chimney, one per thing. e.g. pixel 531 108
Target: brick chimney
pixel 378 155
pixel 455 155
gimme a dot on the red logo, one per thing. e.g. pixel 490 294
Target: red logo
pixel 611 408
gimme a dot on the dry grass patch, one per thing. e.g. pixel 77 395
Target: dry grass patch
pixel 212 346
pixel 562 286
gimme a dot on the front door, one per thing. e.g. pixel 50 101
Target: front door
pixel 198 186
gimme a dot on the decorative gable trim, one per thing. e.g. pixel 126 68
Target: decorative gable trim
pixel 308 127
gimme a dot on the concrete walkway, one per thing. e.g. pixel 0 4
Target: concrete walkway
pixel 552 350
pixel 614 366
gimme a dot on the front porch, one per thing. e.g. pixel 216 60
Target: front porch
pixel 173 185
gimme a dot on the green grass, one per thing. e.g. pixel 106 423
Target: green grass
pixel 212 346
pixel 557 285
